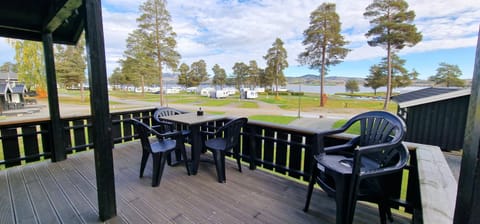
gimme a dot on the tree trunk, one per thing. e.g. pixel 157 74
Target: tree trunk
pixel 82 92
pixel 389 78
pixel 159 54
pixel 322 77
pixel 143 86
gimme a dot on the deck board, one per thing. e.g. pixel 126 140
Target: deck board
pixel 63 207
pixel 41 203
pixel 6 210
pixel 68 189
pixel 22 204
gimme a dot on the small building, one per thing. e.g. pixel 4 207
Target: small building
pixel 435 116
pixel 5 95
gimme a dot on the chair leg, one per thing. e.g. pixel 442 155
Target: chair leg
pixel 144 162
pixel 311 184
pixel 342 200
pixel 169 159
pixel 237 156
pixel 158 165
pixel 185 158
pixel 384 212
pixel 219 158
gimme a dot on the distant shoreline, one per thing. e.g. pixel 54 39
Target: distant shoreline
pixel 329 89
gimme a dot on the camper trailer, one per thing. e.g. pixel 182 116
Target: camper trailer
pixel 217 94
pixel 206 91
pixel 248 94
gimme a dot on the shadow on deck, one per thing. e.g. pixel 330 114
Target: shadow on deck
pixel 65 192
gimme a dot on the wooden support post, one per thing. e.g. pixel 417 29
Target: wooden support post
pixel 101 120
pixel 56 126
pixel 467 209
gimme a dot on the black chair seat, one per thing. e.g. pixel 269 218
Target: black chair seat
pixel 218 144
pixel 342 164
pixel 163 146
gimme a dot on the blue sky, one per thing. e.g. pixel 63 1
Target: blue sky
pixel 227 31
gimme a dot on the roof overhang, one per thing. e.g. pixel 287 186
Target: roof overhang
pixel 445 96
pixel 29 19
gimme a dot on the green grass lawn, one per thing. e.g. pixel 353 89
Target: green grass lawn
pixel 354 129
pixel 311 100
pixel 272 118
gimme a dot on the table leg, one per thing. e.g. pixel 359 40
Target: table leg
pixel 196 148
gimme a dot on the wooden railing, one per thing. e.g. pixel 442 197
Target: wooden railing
pixel 279 149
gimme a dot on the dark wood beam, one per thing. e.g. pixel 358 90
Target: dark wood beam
pixel 62 14
pixel 101 120
pixel 56 126
pixel 467 209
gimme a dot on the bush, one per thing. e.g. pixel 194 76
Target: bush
pixel 298 93
pixel 270 92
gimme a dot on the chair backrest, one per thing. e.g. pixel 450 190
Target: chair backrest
pixel 231 131
pixel 163 112
pixel 144 132
pixel 379 127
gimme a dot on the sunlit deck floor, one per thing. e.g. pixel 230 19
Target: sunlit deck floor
pixel 65 192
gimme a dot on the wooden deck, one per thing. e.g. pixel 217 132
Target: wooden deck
pixel 65 192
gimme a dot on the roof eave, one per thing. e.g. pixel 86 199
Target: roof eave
pixel 436 98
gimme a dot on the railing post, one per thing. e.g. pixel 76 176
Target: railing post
pixel 315 142
pixel 251 143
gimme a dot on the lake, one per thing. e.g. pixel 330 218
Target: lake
pixel 341 89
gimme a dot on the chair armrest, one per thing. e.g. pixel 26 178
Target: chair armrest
pixel 162 122
pixel 204 134
pixel 169 134
pixel 338 148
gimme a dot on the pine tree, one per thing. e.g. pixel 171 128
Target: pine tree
pixel 198 73
pixel 183 78
pixel 392 30
pixel 376 79
pixel 240 71
pixel 324 43
pixel 153 43
pixel 276 58
pixel 400 75
pixel 253 74
pixel 70 66
pixel 448 75
pixel 351 86
pixel 219 77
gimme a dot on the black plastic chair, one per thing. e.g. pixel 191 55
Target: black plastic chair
pixel 367 168
pixel 224 139
pixel 163 126
pixel 160 149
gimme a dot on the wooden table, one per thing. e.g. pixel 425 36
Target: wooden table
pixel 193 121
